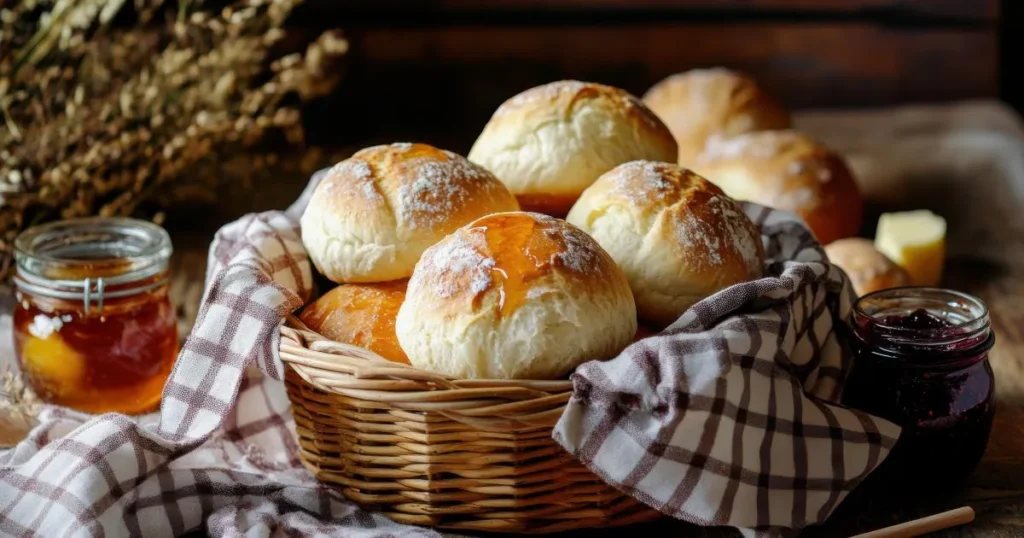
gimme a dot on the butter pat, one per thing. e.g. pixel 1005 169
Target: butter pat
pixel 916 241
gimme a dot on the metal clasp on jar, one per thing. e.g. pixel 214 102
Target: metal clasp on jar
pixel 88 290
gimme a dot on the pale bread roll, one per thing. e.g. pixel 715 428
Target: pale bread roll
pixel 701 103
pixel 360 314
pixel 373 214
pixel 677 236
pixel 869 270
pixel 549 143
pixel 515 296
pixel 790 171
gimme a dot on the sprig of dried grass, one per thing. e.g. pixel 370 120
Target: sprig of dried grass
pixel 19 407
pixel 100 118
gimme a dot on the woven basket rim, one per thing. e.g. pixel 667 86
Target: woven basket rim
pixel 356 372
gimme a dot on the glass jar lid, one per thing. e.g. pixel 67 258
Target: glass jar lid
pixel 92 258
pixel 963 324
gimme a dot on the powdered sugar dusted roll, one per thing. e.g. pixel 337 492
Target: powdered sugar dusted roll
pixel 374 214
pixel 677 236
pixel 515 296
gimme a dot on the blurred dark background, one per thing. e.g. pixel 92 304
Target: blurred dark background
pixel 438 69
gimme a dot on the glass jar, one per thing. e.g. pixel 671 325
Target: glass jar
pixel 94 329
pixel 921 361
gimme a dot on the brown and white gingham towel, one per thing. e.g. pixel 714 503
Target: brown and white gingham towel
pixel 723 419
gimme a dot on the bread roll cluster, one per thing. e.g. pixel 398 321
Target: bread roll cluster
pixel 731 131
pixel 707 103
pixel 569 232
pixel 735 134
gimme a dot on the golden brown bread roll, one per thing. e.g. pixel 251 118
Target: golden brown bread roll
pixel 374 214
pixel 790 171
pixel 677 236
pixel 869 270
pixel 360 314
pixel 703 103
pixel 515 296
pixel 549 143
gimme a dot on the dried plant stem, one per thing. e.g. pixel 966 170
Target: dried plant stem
pixel 101 118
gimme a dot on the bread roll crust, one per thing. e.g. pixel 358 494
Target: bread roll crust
pixel 677 236
pixel 373 214
pixel 515 296
pixel 702 103
pixel 549 143
pixel 788 170
pixel 869 270
pixel 360 314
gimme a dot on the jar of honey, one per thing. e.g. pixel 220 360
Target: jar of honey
pixel 921 361
pixel 94 329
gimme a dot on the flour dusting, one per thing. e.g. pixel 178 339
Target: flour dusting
pixel 355 176
pixel 453 260
pixel 440 189
pixel 725 230
pixel 743 236
pixel 700 235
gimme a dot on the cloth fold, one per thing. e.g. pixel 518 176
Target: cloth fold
pixel 729 416
pixel 726 418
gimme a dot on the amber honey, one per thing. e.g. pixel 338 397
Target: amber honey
pixel 94 328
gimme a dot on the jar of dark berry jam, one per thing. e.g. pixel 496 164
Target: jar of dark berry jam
pixel 94 328
pixel 921 361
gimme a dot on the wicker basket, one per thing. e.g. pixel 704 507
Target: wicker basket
pixel 429 450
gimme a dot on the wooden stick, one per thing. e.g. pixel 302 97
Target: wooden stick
pixel 918 527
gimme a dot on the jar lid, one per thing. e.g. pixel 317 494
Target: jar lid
pixel 961 323
pixel 86 257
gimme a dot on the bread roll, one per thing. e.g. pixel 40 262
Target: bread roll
pixel 677 237
pixel 869 270
pixel 360 314
pixel 790 171
pixel 550 142
pixel 702 103
pixel 515 296
pixel 374 214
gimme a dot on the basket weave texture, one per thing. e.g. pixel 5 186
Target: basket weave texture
pixel 426 449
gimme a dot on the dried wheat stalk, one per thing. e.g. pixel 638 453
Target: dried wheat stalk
pixel 100 117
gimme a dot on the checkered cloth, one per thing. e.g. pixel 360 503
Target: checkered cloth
pixel 727 416
pixel 721 420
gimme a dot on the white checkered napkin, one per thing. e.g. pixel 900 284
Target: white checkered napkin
pixel 220 454
pixel 728 416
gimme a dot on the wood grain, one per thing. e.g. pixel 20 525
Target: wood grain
pixel 403 83
pixel 969 9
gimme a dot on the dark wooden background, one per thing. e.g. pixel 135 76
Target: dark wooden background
pixel 436 70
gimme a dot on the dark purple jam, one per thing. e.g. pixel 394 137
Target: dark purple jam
pixel 921 361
